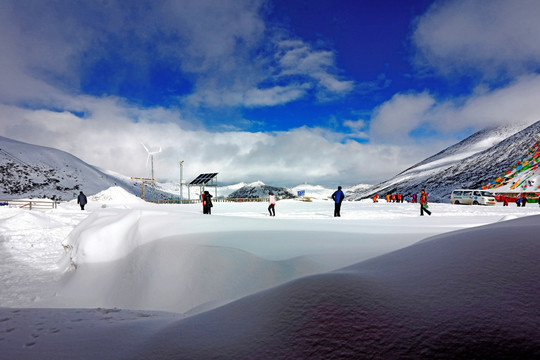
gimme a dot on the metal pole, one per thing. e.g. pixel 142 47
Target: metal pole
pixel 181 178
pixel 142 195
pixel 152 165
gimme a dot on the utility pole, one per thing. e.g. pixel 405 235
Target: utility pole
pixel 181 179
pixel 143 181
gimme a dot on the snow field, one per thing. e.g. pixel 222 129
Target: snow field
pixel 238 283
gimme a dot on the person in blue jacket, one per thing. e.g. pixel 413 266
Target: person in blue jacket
pixel 338 197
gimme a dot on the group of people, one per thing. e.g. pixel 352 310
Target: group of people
pixel 397 198
pixel 338 196
pixel 521 201
pixel 206 199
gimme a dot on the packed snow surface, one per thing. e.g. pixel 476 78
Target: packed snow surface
pixel 126 279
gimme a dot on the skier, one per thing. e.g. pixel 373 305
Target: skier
pixel 81 200
pixel 272 201
pixel 375 198
pixel 338 197
pixel 424 203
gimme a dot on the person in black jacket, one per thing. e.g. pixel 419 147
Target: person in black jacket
pixel 207 203
pixel 81 200
pixel 338 197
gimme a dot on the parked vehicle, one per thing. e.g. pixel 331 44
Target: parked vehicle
pixel 472 197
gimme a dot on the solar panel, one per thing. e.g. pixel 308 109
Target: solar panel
pixel 203 179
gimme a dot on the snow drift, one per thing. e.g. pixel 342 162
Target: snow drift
pixel 471 293
pixel 468 294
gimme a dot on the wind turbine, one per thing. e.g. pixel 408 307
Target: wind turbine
pixel 150 158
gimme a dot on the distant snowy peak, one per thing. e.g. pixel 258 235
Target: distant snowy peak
pixel 359 187
pixel 261 191
pixel 256 183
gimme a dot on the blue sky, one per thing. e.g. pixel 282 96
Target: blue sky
pixel 363 44
pixel 286 92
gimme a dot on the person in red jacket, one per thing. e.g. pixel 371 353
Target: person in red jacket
pixel 424 203
pixel 206 199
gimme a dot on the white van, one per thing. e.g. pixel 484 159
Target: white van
pixel 472 197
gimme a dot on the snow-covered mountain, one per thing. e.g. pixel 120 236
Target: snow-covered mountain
pixel 471 163
pixel 259 189
pixel 32 171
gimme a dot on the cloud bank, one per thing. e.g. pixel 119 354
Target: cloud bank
pixel 487 36
pixel 494 42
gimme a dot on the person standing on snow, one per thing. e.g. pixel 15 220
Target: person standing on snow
pixel 423 203
pixel 272 201
pixel 207 203
pixel 81 200
pixel 338 197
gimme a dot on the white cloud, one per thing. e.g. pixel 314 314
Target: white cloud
pixel 250 96
pixel 358 128
pixel 222 47
pixel 296 58
pixel 487 35
pixel 110 134
pixel 214 35
pixel 514 103
pixel 294 70
pixel 394 120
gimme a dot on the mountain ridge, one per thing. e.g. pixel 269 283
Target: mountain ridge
pixel 34 171
pixel 470 163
